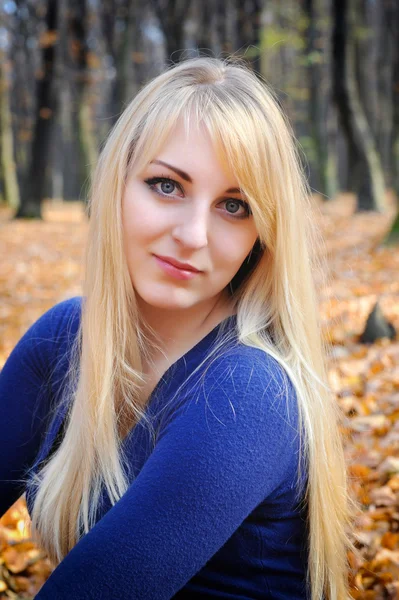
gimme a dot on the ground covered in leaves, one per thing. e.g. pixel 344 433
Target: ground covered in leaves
pixel 42 265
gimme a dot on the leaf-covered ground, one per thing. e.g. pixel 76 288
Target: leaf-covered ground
pixel 42 265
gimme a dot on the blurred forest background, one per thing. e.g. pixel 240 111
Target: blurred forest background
pixel 67 70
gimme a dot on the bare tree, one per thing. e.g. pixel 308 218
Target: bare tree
pixel 46 107
pixel 365 168
pixel 7 161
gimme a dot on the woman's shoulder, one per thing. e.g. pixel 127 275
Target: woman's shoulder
pixel 249 386
pixel 61 316
pixel 48 338
pixel 249 366
pixel 64 315
pixel 58 325
pixel 242 405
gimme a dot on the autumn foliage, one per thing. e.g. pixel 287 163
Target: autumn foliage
pixel 42 265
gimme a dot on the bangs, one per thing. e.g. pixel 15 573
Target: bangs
pixel 240 137
pixel 154 128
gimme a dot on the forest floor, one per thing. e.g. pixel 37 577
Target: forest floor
pixel 42 265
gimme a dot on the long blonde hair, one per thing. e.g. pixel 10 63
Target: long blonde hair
pixel 277 296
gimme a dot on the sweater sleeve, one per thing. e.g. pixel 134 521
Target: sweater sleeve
pixel 26 394
pixel 225 449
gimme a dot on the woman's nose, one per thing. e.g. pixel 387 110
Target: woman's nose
pixel 192 230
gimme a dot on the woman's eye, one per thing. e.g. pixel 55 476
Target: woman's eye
pixel 233 208
pixel 163 186
pixel 167 187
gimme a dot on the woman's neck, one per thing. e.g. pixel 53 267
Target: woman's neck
pixel 174 332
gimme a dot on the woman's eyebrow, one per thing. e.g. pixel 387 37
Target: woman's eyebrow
pixel 181 173
pixel 187 177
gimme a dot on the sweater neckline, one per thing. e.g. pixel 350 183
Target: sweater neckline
pixel 195 350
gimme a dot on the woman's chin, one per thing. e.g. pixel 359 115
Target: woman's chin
pixel 169 299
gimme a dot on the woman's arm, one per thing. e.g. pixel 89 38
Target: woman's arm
pixel 26 392
pixel 223 452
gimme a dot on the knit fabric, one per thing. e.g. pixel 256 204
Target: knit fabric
pixel 212 509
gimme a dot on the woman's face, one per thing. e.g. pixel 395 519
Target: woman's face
pixel 184 207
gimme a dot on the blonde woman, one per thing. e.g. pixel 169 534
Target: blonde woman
pixel 173 427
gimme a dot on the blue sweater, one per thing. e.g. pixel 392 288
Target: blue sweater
pixel 212 510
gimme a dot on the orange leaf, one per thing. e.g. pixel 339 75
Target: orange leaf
pixel 390 540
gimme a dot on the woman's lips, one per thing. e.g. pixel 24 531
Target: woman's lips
pixel 175 272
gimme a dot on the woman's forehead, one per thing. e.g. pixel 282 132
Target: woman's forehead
pixel 197 169
pixel 188 138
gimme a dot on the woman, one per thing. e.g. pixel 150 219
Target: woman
pixel 174 426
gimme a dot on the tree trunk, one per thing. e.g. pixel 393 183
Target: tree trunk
pixel 80 16
pixel 385 49
pixel 284 66
pixel 34 187
pixel 321 117
pixel 392 238
pixel 249 29
pixel 365 168
pixel 87 140
pixel 8 170
pixel 171 16
pixel 393 17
